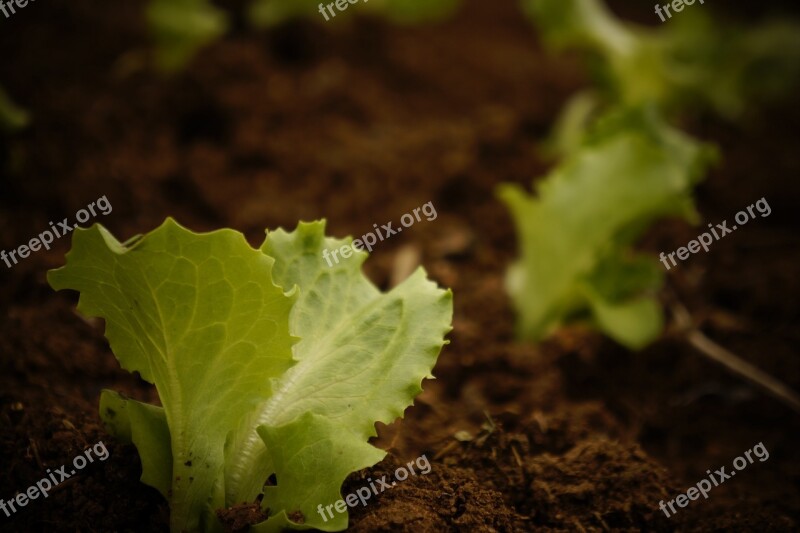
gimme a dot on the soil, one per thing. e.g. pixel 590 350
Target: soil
pixel 359 123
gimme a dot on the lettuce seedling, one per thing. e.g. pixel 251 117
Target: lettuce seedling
pixel 180 28
pixel 688 60
pixel 575 234
pixel 270 365
pixel 623 167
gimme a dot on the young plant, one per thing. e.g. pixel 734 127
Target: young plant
pixel 12 117
pixel 179 28
pixel 623 167
pixel 575 235
pixel 267 363
pixel 688 61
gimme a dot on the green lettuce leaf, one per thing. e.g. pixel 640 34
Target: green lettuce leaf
pixel 146 427
pixel 575 234
pixel 572 124
pixel 361 359
pixel 314 476
pixel 201 317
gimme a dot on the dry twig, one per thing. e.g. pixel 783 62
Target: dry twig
pixel 731 361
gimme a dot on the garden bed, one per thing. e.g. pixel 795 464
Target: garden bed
pixel 360 124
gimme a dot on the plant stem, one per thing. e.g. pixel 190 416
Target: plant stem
pixel 714 351
pixel 733 362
